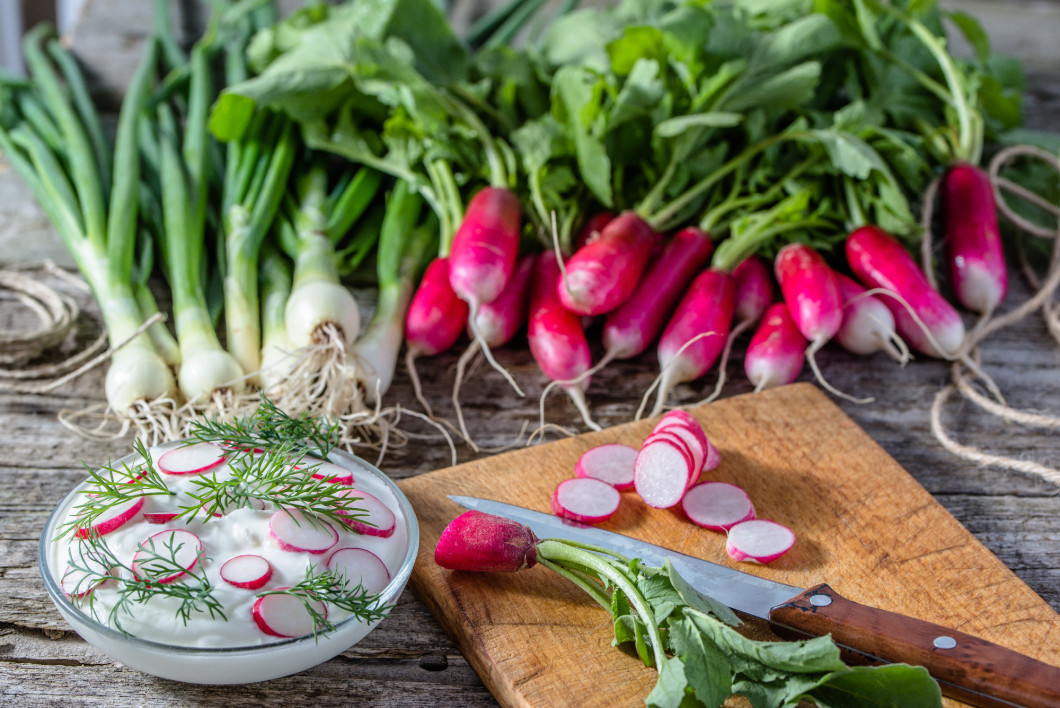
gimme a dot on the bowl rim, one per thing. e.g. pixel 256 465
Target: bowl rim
pixel 389 595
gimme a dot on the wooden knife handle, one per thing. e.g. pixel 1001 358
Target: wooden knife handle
pixel 967 668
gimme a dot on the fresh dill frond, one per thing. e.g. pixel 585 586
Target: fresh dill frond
pixel 336 590
pixel 269 427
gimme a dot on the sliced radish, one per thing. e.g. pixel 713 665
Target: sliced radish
pixel 661 474
pixel 611 463
pixel 160 517
pixel 294 531
pixel 717 505
pixel 284 615
pixel 113 519
pixel 585 500
pixel 78 583
pixel 713 458
pixel 332 473
pixel 360 567
pixel 695 444
pixel 246 571
pixel 191 459
pixel 378 520
pixel 182 546
pixel 759 541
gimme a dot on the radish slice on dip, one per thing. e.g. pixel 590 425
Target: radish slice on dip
pixel 113 519
pixel 585 500
pixel 378 520
pixel 191 459
pixel 332 473
pixel 285 615
pixel 717 505
pixel 154 561
pixel 759 541
pixel 360 567
pixel 79 583
pixel 295 532
pixel 611 463
pixel 248 571
pixel 160 517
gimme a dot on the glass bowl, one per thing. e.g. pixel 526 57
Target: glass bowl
pixel 240 664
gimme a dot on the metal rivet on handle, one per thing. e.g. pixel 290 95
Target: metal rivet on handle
pixel 820 600
pixel 944 642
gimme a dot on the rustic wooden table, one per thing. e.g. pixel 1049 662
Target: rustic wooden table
pixel 408 660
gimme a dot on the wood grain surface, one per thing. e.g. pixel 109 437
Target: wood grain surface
pixel 863 524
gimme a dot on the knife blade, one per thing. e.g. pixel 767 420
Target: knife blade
pixel 967 668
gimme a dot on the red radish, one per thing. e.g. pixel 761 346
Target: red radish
pixel 181 546
pixel 592 228
pixel 662 474
pixel 680 419
pixel 687 443
pixel 485 246
pixel 611 463
pixel 880 261
pixel 247 571
pixel 629 329
pixel 79 584
pixel 484 542
pixel 377 520
pixel 113 518
pixel 696 444
pixel 557 340
pixel 759 541
pixel 434 322
pixel 360 567
pixel 285 615
pixel 754 290
pixel 160 517
pixel 191 459
pixel 696 333
pixel 717 505
pixel 585 500
pixel 776 351
pixel 293 531
pixel 602 275
pixel 973 242
pixel 332 473
pixel 868 326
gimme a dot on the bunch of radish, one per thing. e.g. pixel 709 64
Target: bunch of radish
pixel 665 472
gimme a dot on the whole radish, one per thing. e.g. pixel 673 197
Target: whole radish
pixel 868 326
pixel 590 231
pixel 485 246
pixel 629 329
pixel 484 542
pixel 974 252
pixel 557 340
pixel 923 317
pixel 776 351
pixel 602 275
pixel 435 320
pixel 696 333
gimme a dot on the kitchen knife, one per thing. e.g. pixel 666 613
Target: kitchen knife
pixel 967 668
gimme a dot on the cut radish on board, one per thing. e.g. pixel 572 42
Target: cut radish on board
pixel 246 571
pixel 191 459
pixel 113 518
pixel 285 615
pixel 158 553
pixel 680 420
pixel 332 473
pixel 759 541
pixel 717 505
pixel 360 567
pixel 611 463
pixel 585 500
pixel 378 520
pixel 294 531
pixel 662 473
pixel 694 446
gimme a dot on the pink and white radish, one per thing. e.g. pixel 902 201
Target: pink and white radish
pixel 696 333
pixel 974 251
pixel 601 275
pixel 776 351
pixel 80 582
pixel 868 326
pixel 112 519
pixel 634 325
pixel 611 463
pixel 590 231
pixel 662 473
pixel 175 546
pixel 487 543
pixel 557 340
pixel 585 500
pixel 485 246
pixel 375 517
pixel 284 615
pixel 683 423
pixel 717 506
pixel 191 459
pixel 294 531
pixel 160 517
pixel 758 541
pixel 687 443
pixel 360 567
pixel 331 473
pixel 923 317
pixel 248 571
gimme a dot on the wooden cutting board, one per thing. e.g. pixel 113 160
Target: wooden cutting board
pixel 863 525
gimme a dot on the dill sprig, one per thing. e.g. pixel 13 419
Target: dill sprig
pixel 336 590
pixel 97 562
pixel 269 427
pixel 111 486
